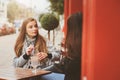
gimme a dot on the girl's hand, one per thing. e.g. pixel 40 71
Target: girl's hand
pixel 29 49
pixel 42 55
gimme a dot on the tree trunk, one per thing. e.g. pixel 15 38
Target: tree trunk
pixel 49 35
pixel 53 37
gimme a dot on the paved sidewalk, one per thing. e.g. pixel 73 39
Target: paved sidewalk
pixel 7 49
pixel 7 46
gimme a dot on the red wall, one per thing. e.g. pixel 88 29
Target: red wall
pixel 101 40
pixel 71 6
pixel 88 39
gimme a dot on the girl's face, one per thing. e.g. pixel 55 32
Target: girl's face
pixel 32 29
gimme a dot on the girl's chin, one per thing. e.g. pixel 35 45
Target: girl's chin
pixel 34 35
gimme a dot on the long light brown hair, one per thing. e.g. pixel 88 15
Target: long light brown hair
pixel 74 34
pixel 40 43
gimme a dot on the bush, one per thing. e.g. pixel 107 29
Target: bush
pixel 49 22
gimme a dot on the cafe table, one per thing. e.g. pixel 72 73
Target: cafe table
pixel 11 73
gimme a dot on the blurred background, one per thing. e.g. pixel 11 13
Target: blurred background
pixel 13 12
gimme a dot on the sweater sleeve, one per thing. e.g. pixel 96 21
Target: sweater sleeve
pixel 20 61
pixel 53 53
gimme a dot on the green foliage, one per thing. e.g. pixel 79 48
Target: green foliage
pixel 49 22
pixel 57 6
pixel 40 16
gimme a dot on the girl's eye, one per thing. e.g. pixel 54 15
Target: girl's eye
pixel 30 26
pixel 35 26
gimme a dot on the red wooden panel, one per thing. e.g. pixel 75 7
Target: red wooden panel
pixel 101 40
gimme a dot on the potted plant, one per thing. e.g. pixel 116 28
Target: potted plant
pixel 49 22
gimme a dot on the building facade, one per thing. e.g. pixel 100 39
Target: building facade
pixel 3 12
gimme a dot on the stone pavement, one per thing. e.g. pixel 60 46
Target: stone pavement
pixel 7 49
pixel 7 46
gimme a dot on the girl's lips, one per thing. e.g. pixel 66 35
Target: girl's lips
pixel 34 32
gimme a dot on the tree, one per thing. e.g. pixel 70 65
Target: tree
pixel 12 10
pixel 57 6
pixel 49 22
pixel 17 11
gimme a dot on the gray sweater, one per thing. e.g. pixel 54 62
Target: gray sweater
pixel 24 62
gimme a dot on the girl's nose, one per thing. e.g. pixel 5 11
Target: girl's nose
pixel 34 27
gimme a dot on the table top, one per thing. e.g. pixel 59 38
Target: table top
pixel 11 73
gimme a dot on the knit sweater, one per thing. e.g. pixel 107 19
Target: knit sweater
pixel 24 60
